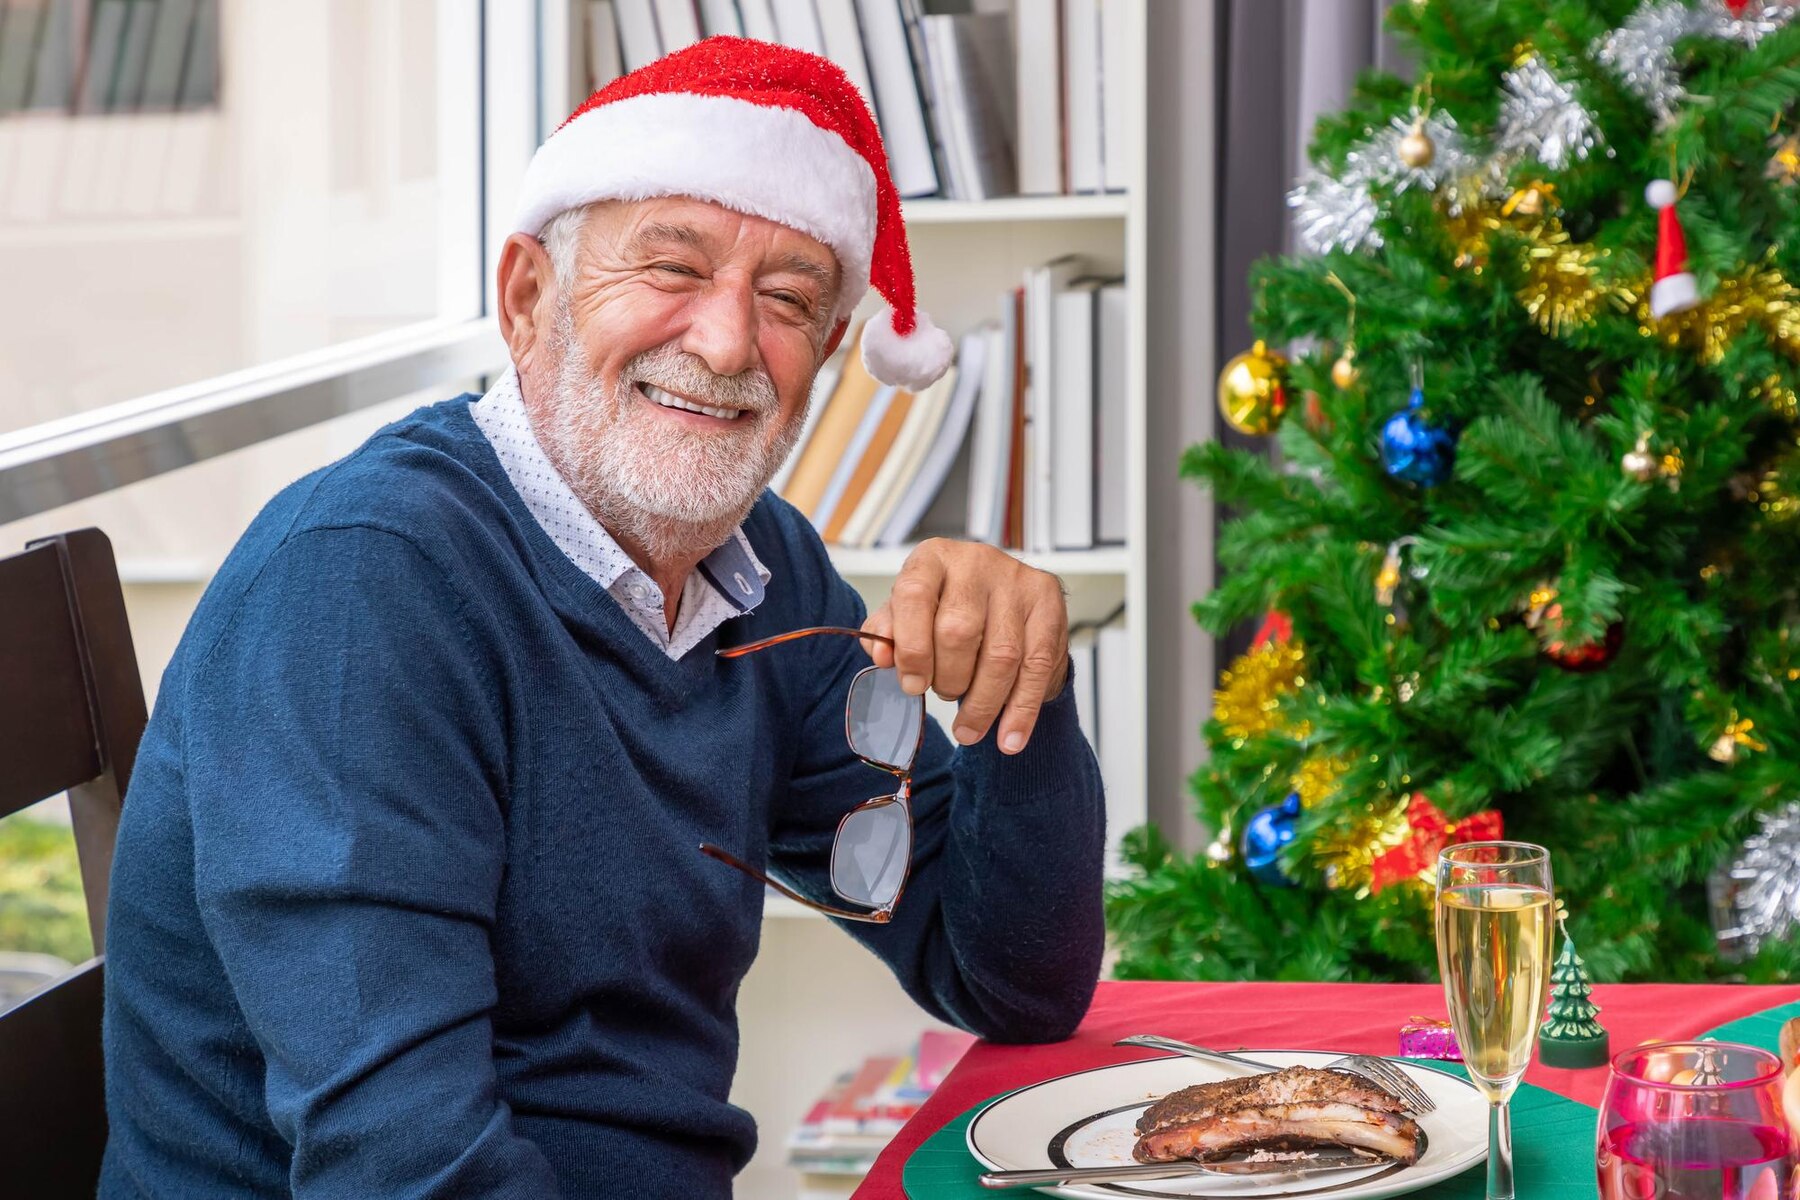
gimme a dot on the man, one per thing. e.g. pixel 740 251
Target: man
pixel 408 898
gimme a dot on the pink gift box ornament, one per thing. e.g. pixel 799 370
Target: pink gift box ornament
pixel 1422 1037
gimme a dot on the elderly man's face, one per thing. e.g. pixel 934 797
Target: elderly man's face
pixel 679 359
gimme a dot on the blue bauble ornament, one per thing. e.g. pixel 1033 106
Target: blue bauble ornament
pixel 1265 835
pixel 1414 449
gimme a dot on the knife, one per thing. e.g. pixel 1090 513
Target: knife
pixel 1124 1173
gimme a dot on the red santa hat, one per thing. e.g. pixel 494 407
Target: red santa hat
pixel 764 130
pixel 1674 289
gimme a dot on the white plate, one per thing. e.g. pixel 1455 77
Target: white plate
pixel 1087 1119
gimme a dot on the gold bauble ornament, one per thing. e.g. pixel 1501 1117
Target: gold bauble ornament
pixel 1253 390
pixel 1345 372
pixel 1737 738
pixel 1639 463
pixel 1533 200
pixel 1220 851
pixel 1416 147
pixel 1784 163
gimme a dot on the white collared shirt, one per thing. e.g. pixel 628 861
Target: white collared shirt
pixel 719 590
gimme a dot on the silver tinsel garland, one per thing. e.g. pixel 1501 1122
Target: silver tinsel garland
pixel 1541 119
pixel 1641 52
pixel 1334 214
pixel 1756 898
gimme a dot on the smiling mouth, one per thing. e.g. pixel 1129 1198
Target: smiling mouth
pixel 664 399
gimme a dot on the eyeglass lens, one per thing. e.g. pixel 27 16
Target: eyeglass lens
pixel 868 861
pixel 884 721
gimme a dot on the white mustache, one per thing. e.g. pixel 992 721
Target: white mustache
pixel 685 374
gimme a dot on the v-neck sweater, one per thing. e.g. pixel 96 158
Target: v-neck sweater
pixel 407 898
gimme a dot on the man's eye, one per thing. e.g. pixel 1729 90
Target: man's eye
pixel 674 268
pixel 798 302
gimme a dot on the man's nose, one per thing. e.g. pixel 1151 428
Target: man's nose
pixel 722 326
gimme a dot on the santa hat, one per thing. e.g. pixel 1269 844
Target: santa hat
pixel 1674 289
pixel 764 130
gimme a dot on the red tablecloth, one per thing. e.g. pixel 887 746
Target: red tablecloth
pixel 1299 1016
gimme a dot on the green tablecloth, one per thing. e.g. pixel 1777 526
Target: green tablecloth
pixel 1553 1140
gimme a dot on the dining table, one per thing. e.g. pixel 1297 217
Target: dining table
pixel 1361 1018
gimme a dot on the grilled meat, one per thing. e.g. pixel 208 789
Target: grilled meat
pixel 1299 1108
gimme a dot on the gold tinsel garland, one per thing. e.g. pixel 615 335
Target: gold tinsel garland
pixel 1559 281
pixel 1345 851
pixel 1247 703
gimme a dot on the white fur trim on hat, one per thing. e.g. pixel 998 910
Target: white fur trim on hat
pixel 913 362
pixel 751 158
pixel 1673 294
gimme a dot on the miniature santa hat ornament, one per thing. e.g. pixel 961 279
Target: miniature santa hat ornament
pixel 1674 289
pixel 764 130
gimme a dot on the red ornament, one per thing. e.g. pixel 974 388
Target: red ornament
pixel 1588 656
pixel 1737 7
pixel 1674 289
pixel 1428 832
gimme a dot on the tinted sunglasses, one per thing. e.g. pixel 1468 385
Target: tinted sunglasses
pixel 872 853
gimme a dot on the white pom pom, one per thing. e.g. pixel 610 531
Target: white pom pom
pixel 914 361
pixel 1660 194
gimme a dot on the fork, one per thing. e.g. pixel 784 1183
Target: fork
pixel 1378 1071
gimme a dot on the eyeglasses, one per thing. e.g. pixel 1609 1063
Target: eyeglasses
pixel 872 852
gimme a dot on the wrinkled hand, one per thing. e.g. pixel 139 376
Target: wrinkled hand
pixel 975 624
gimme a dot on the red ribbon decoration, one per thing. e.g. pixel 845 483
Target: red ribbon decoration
pixel 1737 7
pixel 1429 831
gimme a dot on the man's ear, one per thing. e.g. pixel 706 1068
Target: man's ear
pixel 832 342
pixel 525 287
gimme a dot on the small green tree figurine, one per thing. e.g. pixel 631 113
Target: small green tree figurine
pixel 1571 1037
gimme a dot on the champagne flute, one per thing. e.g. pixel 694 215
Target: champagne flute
pixel 1495 912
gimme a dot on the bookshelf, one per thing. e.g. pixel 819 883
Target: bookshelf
pixel 816 1002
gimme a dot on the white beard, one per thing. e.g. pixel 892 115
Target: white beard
pixel 676 493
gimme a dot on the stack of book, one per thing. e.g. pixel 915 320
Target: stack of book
pixel 109 55
pixel 1027 98
pixel 861 1110
pixel 1020 444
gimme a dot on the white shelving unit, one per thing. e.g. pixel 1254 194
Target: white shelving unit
pixel 815 1003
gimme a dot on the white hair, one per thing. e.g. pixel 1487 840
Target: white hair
pixel 561 237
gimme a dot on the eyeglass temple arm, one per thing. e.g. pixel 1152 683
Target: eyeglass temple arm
pixel 879 917
pixel 791 635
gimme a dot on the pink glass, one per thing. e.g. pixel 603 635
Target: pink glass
pixel 1717 1134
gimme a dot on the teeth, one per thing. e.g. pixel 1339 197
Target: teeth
pixel 667 401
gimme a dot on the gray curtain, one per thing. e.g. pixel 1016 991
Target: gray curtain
pixel 1235 86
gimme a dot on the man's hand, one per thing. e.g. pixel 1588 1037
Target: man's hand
pixel 975 624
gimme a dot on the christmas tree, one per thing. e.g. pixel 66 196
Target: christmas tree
pixel 1571 1036
pixel 1528 561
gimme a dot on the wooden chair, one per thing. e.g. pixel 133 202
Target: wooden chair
pixel 71 714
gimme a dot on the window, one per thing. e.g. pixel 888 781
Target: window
pixel 193 187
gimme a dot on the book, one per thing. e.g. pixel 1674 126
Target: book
pixel 847 1112
pixel 127 93
pixel 823 384
pixel 1081 679
pixel 639 42
pixel 1070 491
pixel 844 44
pixel 677 24
pixel 797 21
pixel 1112 695
pixel 897 104
pixel 901 463
pixel 605 62
pixel 107 33
pixel 200 69
pixel 1117 159
pixel 852 456
pixel 884 434
pixel 1012 522
pixel 830 438
pixel 946 444
pixel 1081 64
pixel 1042 283
pixel 939 1051
pixel 721 18
pixel 991 439
pixel 1113 336
pixel 1039 84
pixel 970 63
pixel 759 20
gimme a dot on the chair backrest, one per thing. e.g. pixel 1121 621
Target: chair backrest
pixel 71 715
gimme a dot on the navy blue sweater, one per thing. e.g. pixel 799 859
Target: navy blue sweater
pixel 408 902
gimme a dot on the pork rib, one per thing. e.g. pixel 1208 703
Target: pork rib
pixel 1299 1108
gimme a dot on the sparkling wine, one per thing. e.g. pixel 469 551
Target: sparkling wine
pixel 1494 953
pixel 1695 1159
